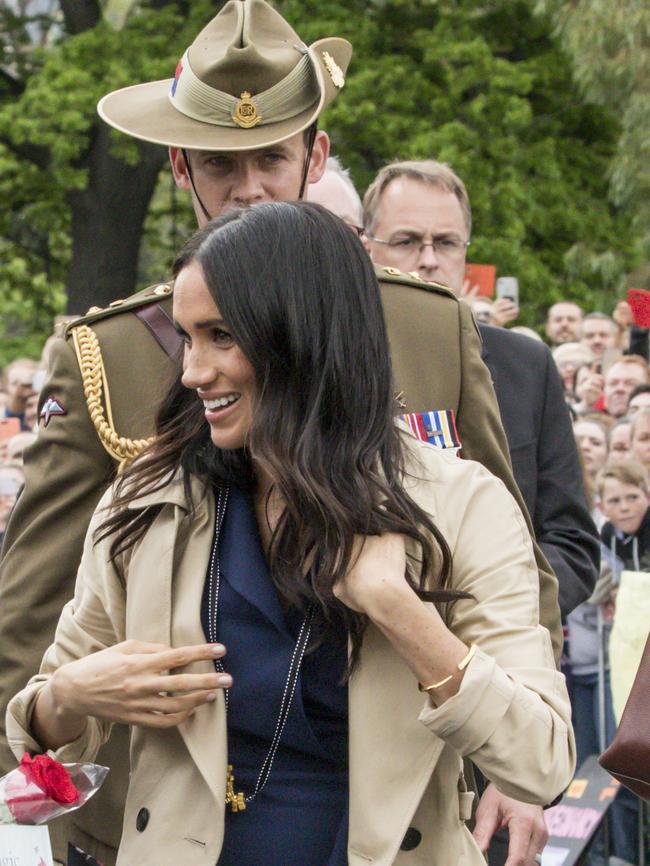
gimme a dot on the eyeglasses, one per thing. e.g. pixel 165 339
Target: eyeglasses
pixel 442 246
pixel 357 229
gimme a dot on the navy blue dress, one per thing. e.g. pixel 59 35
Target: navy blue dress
pixel 301 815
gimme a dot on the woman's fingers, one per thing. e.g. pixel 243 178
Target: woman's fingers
pixel 181 683
pixel 169 659
pixel 170 705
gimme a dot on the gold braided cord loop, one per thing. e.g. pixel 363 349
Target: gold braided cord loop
pixel 95 387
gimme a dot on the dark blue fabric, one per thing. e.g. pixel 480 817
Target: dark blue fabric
pixel 300 816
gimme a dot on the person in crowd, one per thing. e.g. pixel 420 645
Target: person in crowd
pixel 17 444
pixel 632 338
pixel 589 382
pixel 11 482
pixel 417 216
pixel 623 490
pixel 19 388
pixel 109 369
pixel 599 333
pixel 610 393
pixel 639 399
pixel 640 437
pixel 482 309
pixel 624 375
pixel 619 441
pixel 526 332
pixel 299 534
pixel 336 191
pixel 31 413
pixel 591 433
pixel 563 323
pixel 569 358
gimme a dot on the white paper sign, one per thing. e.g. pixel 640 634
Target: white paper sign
pixel 554 856
pixel 25 846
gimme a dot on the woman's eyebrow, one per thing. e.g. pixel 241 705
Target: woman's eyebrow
pixel 206 323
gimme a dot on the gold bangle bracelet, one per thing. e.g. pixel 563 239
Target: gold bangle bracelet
pixel 462 664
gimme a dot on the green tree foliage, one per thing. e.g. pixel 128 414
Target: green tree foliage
pixel 609 43
pixel 481 85
pixel 55 68
pixel 485 87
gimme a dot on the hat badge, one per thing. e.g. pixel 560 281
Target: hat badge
pixel 246 112
pixel 335 71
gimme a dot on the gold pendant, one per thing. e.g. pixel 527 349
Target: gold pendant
pixel 236 802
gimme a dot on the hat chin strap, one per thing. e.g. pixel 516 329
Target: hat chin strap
pixel 313 129
pixel 194 189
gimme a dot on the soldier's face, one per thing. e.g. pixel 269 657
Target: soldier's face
pixel 226 180
pixel 432 221
pixel 213 364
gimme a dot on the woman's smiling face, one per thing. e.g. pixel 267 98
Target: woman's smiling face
pixel 213 364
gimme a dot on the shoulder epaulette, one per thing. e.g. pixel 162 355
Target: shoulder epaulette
pixel 93 373
pixel 412 278
pixel 150 295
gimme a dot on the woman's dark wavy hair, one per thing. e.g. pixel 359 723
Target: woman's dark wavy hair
pixel 299 294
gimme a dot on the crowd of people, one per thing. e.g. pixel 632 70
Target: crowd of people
pixel 268 514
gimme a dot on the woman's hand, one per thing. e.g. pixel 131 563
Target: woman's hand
pixel 132 683
pixel 376 576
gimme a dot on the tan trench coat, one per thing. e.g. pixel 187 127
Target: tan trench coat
pixel 511 715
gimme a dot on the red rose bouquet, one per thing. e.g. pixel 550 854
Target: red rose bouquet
pixel 40 789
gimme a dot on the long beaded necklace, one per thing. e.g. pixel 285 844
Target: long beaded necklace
pixel 238 800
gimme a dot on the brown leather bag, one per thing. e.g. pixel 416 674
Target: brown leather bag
pixel 628 756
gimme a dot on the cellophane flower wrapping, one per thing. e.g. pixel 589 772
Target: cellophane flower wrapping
pixel 40 789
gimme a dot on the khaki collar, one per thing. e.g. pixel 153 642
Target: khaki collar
pixel 171 492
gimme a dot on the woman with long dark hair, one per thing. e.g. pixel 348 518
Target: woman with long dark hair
pixel 265 587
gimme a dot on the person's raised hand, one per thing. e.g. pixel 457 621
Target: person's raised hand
pixel 468 291
pixel 590 389
pixel 503 311
pixel 132 682
pixel 623 315
pixel 526 827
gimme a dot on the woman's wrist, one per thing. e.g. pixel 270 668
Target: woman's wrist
pixel 54 721
pixel 382 604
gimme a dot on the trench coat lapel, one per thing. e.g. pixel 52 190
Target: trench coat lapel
pixel 180 552
pixel 392 754
pixel 204 732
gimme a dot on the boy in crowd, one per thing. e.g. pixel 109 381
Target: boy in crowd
pixel 623 490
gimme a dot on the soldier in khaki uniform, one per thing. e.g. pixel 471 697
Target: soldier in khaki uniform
pixel 239 118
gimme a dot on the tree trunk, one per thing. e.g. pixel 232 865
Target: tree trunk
pixel 107 223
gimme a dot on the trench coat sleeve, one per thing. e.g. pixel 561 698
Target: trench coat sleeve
pixel 67 470
pixel 511 715
pixel 92 621
pixel 483 439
